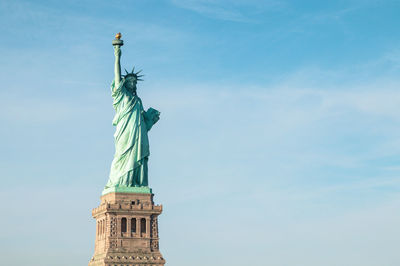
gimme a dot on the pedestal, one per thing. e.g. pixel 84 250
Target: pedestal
pixel 127 230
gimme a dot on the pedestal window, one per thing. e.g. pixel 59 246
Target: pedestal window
pixel 123 225
pixel 143 225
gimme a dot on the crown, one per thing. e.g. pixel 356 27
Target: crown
pixel 133 74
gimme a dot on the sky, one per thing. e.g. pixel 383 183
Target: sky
pixel 279 137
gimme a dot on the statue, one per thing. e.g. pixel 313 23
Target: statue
pixel 129 172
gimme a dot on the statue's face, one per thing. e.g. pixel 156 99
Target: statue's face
pixel 130 84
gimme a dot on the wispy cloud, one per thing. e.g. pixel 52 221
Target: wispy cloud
pixel 239 10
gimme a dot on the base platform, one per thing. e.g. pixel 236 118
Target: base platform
pixel 127 190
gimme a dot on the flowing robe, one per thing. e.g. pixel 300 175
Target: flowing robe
pixel 129 166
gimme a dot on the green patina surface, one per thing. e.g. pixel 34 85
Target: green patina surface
pixel 145 190
pixel 129 172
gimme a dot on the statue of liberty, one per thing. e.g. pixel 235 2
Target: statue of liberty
pixel 129 172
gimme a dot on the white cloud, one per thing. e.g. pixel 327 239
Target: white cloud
pixel 237 10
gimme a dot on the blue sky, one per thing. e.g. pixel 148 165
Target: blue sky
pixel 278 142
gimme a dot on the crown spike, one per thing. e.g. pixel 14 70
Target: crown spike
pixel 126 71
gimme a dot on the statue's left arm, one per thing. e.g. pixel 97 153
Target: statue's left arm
pixel 151 117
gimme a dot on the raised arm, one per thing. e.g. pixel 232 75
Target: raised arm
pixel 117 66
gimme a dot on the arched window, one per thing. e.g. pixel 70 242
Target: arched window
pixel 123 225
pixel 104 227
pixel 143 225
pixel 98 227
pixel 101 227
pixel 133 225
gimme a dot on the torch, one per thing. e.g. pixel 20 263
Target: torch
pixel 117 40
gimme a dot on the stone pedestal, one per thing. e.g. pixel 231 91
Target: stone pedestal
pixel 127 230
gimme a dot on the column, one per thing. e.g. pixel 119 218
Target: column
pixel 138 228
pixel 118 225
pixel 148 227
pixel 105 227
pixel 128 226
